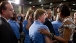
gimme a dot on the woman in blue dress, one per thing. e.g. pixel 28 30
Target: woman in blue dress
pixel 26 24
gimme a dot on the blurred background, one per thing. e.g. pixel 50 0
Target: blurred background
pixel 21 6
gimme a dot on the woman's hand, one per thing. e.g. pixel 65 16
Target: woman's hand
pixel 29 24
pixel 45 32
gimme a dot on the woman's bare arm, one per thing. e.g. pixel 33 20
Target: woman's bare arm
pixel 28 25
pixel 66 36
pixel 48 40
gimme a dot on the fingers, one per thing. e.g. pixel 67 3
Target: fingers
pixel 42 30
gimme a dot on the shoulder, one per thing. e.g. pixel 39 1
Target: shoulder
pixel 2 22
pixel 44 27
pixel 25 22
pixel 54 22
pixel 3 25
pixel 69 23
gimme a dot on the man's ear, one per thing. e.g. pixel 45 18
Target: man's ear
pixel 3 11
pixel 39 17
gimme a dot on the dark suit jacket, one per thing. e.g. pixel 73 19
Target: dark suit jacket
pixel 6 33
pixel 49 25
pixel 74 37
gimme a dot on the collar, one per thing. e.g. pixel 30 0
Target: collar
pixel 49 19
pixel 11 20
pixel 36 21
pixel 4 18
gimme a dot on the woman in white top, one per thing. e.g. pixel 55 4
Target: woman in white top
pixel 67 29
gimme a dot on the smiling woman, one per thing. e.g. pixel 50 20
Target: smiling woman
pixel 67 29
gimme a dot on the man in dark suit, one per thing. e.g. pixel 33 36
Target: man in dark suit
pixel 6 33
pixel 48 21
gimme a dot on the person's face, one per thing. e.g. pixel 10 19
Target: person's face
pixel 58 12
pixel 9 11
pixel 42 18
pixel 30 16
pixel 75 18
pixel 49 12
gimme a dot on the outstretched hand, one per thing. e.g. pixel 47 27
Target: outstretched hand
pixel 45 32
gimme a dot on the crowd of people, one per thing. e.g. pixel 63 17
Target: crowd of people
pixel 37 26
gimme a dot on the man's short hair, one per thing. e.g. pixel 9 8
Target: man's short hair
pixel 38 13
pixel 48 11
pixel 3 6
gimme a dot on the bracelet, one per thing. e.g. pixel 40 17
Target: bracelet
pixel 52 35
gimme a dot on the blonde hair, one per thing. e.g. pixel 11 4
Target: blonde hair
pixel 38 13
pixel 29 12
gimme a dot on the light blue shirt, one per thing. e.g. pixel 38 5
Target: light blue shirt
pixel 56 25
pixel 27 39
pixel 35 35
pixel 15 27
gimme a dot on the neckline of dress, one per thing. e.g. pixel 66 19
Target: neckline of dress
pixel 66 18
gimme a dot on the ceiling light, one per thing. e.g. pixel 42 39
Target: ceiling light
pixel 30 2
pixel 50 6
pixel 39 0
pixel 64 0
pixel 41 4
pixel 14 1
pixel 10 1
pixel 33 6
pixel 17 2
pixel 72 9
pixel 51 3
pixel 74 4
